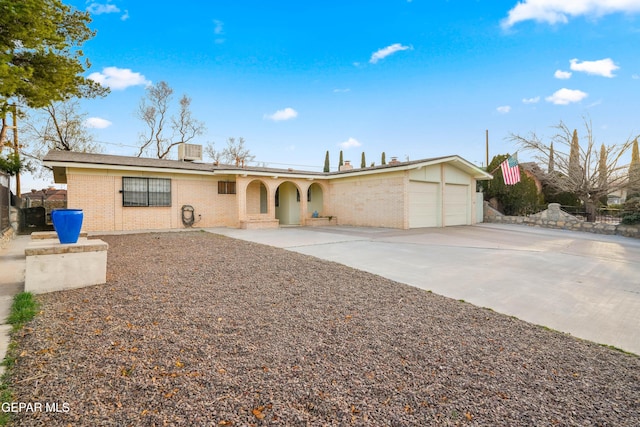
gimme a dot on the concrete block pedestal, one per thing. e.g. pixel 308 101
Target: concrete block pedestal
pixel 52 266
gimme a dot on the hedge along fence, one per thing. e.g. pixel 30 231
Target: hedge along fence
pixel 554 217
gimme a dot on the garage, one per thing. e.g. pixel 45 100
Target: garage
pixel 456 205
pixel 440 195
pixel 424 204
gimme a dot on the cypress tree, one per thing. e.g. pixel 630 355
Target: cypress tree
pixel 363 162
pixel 552 163
pixel 384 159
pixel 602 168
pixel 326 162
pixel 633 189
pixel 341 162
pixel 574 160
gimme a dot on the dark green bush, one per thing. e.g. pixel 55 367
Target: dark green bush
pixel 631 219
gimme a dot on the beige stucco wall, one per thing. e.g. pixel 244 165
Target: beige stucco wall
pixel 97 192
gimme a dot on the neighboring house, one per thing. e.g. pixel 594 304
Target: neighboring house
pixel 50 198
pixel 132 193
pixel 533 171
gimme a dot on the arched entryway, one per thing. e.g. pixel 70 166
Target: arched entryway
pixel 287 203
pixel 315 199
pixel 257 198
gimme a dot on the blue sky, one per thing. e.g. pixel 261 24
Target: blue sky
pixel 416 79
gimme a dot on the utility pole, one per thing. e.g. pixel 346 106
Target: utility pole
pixel 16 146
pixel 487 147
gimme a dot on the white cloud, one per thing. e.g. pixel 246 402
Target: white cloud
pixel 99 9
pixel 635 76
pixel 350 143
pixel 504 109
pixel 219 27
pixel 602 67
pixel 533 100
pixel 218 30
pixel 386 51
pixel 559 11
pixel 342 90
pixel 566 96
pixel 280 115
pixel 562 75
pixel 97 123
pixel 119 78
pixel 125 16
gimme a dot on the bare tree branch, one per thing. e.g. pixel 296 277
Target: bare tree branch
pixel 588 174
pixel 154 112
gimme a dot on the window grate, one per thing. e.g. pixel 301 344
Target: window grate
pixel 146 191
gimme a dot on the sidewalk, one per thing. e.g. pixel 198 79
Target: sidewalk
pixel 12 266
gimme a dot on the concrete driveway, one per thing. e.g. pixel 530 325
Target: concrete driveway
pixel 587 285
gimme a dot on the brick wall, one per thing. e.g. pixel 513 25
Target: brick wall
pixel 100 198
pixel 377 201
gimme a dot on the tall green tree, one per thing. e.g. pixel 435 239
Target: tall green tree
pixel 633 186
pixel 326 162
pixel 41 60
pixel 574 158
pixel 340 162
pixel 552 162
pixel 519 199
pixel 363 161
pixel 384 159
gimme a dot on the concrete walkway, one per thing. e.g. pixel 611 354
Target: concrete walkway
pixel 12 267
pixel 584 284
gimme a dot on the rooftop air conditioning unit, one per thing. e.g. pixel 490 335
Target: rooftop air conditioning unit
pixel 189 152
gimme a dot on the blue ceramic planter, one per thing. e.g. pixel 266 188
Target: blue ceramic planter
pixel 67 223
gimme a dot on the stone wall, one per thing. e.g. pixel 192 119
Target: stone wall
pixel 554 217
pixel 9 234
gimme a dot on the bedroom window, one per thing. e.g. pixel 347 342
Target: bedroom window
pixel 146 191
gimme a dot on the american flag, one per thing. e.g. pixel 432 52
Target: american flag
pixel 510 171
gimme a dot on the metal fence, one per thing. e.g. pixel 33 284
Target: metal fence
pixel 5 201
pixel 603 214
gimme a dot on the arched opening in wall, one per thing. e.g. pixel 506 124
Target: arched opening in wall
pixel 257 199
pixel 314 199
pixel 287 202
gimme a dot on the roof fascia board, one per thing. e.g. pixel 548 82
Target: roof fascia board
pixel 274 174
pixel 74 165
pixel 470 168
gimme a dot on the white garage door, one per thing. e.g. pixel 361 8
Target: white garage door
pixel 423 204
pixel 456 204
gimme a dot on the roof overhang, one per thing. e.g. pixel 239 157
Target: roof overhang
pixel 455 161
pixel 60 165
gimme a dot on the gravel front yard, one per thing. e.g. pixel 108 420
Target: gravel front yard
pixel 198 329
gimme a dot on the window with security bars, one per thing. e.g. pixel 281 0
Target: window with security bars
pixel 146 191
pixel 226 187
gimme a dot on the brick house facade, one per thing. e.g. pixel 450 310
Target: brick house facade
pixel 131 193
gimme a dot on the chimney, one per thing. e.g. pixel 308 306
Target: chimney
pixel 394 161
pixel 346 166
